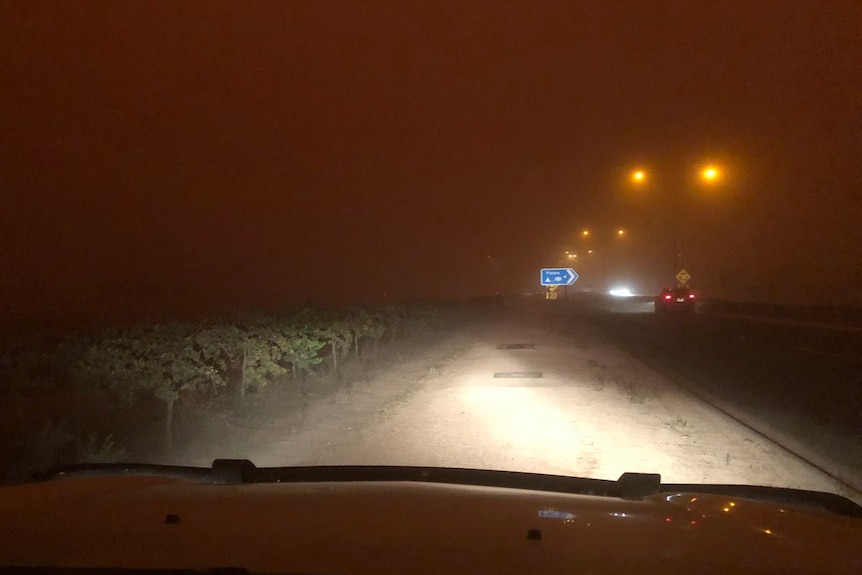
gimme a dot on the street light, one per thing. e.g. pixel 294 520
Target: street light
pixel 707 174
pixel 710 174
pixel 585 233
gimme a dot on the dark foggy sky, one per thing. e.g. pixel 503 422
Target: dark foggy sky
pixel 204 155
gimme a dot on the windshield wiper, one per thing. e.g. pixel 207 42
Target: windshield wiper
pixel 238 471
pixel 628 486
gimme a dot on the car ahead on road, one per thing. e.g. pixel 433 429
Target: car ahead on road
pixel 678 299
pixel 233 516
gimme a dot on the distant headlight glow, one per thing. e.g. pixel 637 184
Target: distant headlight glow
pixel 621 292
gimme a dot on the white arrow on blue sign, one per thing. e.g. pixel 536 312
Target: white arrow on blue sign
pixel 558 276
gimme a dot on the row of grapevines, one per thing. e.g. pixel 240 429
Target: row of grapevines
pixel 163 361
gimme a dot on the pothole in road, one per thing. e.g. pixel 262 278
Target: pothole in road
pixel 517 346
pixel 518 374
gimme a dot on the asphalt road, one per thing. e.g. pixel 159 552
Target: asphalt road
pixel 798 381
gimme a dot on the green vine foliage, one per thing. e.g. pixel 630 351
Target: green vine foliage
pixel 165 360
pixel 162 360
pixel 366 325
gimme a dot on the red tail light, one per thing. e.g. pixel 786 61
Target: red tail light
pixel 668 296
pixel 691 296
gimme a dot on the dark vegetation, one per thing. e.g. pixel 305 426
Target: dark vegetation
pixel 92 397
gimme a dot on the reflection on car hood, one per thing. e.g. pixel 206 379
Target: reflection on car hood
pixel 172 520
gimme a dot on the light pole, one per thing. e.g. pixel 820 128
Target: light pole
pixel 707 174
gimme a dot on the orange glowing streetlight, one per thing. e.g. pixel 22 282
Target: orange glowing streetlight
pixel 706 174
pixel 710 174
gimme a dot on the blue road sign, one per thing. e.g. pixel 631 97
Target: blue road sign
pixel 558 276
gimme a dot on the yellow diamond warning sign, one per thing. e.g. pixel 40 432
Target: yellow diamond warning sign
pixel 683 276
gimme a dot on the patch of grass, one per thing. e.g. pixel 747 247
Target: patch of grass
pixel 96 449
pixel 636 391
pixel 56 444
pixel 600 380
pixel 39 450
pixel 677 425
pixel 386 412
